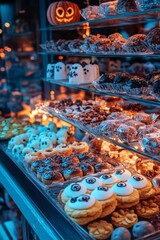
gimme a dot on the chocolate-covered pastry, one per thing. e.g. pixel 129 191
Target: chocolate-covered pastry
pixel 72 172
pixel 124 6
pixel 135 44
pixel 120 80
pixel 153 77
pixel 50 177
pixel 101 166
pixel 152 40
pixel 101 45
pixel 107 78
pixel 35 165
pixel 136 85
pixel 117 45
pixel 86 168
pixel 155 90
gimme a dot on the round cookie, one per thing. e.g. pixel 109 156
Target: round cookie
pixel 83 209
pixel 147 209
pixel 127 196
pixel 71 191
pixel 92 182
pixel 100 229
pixel 124 218
pixel 122 174
pixel 109 179
pixel 143 185
pixel 107 198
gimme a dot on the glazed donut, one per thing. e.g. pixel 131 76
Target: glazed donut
pixel 80 147
pixel 64 149
pixel 34 156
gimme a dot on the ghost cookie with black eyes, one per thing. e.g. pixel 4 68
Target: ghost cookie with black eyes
pixel 91 183
pixel 143 185
pixel 83 209
pixel 127 196
pixel 107 198
pixel 76 74
pixel 60 71
pixel 109 179
pixel 122 174
pixel 71 191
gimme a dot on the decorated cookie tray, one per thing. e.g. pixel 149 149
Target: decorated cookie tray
pixel 126 214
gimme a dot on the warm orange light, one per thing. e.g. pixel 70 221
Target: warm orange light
pixel 60 57
pixel 7 24
pixel 1 31
pixel 2 55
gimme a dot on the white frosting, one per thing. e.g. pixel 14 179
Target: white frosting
pixel 92 182
pixel 122 174
pixel 33 137
pixel 35 144
pixel 50 71
pixel 17 149
pixel 96 71
pixel 108 178
pixel 137 181
pixel 102 193
pixel 27 150
pixel 62 140
pixel 68 67
pixel 46 143
pixel 84 201
pixel 60 71
pixel 122 188
pixel 89 75
pixel 62 133
pixel 42 128
pixel 76 74
pixel 32 131
pixel 52 136
pixel 74 190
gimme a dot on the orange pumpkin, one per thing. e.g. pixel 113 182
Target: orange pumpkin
pixel 63 12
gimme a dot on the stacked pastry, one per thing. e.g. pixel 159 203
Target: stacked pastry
pixel 120 196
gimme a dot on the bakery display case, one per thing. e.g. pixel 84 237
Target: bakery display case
pixel 93 165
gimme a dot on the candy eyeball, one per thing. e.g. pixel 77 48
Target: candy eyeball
pixel 17 149
pixel 46 143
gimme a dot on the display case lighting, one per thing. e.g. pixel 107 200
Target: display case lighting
pixel 7 24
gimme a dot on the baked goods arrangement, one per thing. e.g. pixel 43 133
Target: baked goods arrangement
pixel 112 44
pixel 101 120
pixel 110 204
pixel 10 127
pixel 117 7
pixel 76 73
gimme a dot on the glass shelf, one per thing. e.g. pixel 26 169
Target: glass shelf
pixel 14 34
pixel 142 55
pixel 90 88
pixel 43 107
pixel 112 20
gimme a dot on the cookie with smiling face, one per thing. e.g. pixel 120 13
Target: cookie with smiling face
pixel 143 185
pixel 83 209
pixel 127 196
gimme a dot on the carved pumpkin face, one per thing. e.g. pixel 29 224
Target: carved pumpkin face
pixel 63 12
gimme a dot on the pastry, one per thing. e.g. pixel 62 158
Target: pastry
pixel 99 167
pixel 151 143
pixel 126 133
pixel 127 196
pixel 152 40
pixel 136 85
pixel 83 209
pixel 143 185
pixel 86 168
pixel 117 45
pixel 46 143
pixel 88 73
pixel 107 198
pixel 108 8
pixel 35 165
pixel 101 45
pixel 147 209
pixel 65 150
pixel 121 233
pixel 17 149
pixel 120 80
pixel 96 144
pixel 72 172
pixel 147 129
pixel 124 218
pixel 49 152
pixel 135 44
pixel 34 156
pixel 125 6
pixel 155 89
pixel 92 182
pixel 100 229
pixel 109 127
pixel 71 191
pixel 51 177
pixel 80 147
pixel 147 167
pixel 122 174
pixel 142 228
pixel 109 180
pixel 72 158
pixel 156 199
pixel 114 36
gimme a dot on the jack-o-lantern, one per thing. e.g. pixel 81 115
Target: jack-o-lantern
pixel 63 12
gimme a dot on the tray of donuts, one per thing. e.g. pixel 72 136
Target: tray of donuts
pixel 115 205
pixel 66 163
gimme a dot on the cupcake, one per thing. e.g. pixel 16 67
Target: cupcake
pixel 107 199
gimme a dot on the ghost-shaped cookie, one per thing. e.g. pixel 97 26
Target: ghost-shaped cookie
pixel 50 71
pixel 68 67
pixel 60 71
pixel 76 74
pixel 89 73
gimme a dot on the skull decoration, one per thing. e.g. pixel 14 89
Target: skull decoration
pixel 50 71
pixel 63 12
pixel 76 74
pixel 60 71
pixel 46 143
pixel 89 73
